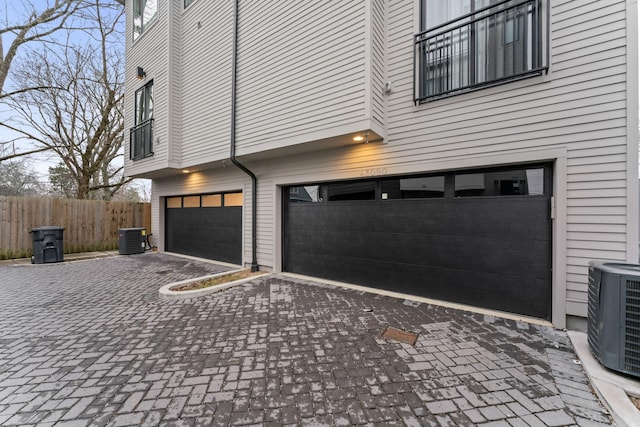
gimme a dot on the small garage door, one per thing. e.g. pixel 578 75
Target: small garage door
pixel 481 238
pixel 206 226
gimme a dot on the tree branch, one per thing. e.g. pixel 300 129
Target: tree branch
pixel 22 154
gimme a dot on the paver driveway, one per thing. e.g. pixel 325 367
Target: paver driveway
pixel 89 343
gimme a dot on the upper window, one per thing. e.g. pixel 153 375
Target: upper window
pixel 144 103
pixel 141 135
pixel 144 12
pixel 464 44
pixel 187 2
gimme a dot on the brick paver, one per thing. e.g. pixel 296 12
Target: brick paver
pixel 89 343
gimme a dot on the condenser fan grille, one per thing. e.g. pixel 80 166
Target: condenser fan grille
pixel 632 327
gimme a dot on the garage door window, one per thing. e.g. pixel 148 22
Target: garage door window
pixel 426 187
pixel 233 199
pixel 511 182
pixel 351 191
pixel 308 193
pixel 191 202
pixel 212 201
pixel 174 202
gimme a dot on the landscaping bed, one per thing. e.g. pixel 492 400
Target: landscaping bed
pixel 219 280
pixel 200 286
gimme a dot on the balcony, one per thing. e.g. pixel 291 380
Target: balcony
pixel 489 46
pixel 141 140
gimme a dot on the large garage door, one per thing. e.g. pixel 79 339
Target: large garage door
pixel 481 238
pixel 207 226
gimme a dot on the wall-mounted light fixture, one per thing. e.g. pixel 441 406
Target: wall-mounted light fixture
pixel 364 137
pixel 361 137
pixel 140 74
pixel 186 171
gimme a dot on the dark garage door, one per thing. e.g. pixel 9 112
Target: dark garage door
pixel 481 238
pixel 206 226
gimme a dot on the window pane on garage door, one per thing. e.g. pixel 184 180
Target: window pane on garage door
pixel 509 182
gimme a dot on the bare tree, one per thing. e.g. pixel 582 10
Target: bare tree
pixel 77 113
pixel 16 179
pixel 26 24
pixel 36 26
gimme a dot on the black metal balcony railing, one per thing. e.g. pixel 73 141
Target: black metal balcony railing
pixel 485 47
pixel 141 140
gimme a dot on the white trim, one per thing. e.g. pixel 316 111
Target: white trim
pixel 277 228
pixel 246 221
pixel 368 58
pixel 559 243
pixel 171 108
pixel 547 40
pixel 416 18
pixel 161 207
pixel 417 4
pixel 633 209
pixel 385 95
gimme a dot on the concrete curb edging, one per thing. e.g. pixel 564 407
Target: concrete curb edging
pixel 612 388
pixel 166 293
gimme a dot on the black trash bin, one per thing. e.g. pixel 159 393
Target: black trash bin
pixel 131 241
pixel 48 244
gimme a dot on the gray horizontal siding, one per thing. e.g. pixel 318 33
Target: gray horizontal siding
pixel 301 70
pixel 206 82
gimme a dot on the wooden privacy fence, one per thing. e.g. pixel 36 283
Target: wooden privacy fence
pixel 89 225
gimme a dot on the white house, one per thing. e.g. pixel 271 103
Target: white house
pixel 474 151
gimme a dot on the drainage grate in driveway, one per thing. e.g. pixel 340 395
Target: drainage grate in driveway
pixel 399 335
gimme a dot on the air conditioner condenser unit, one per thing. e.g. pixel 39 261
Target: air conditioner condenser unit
pixel 613 325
